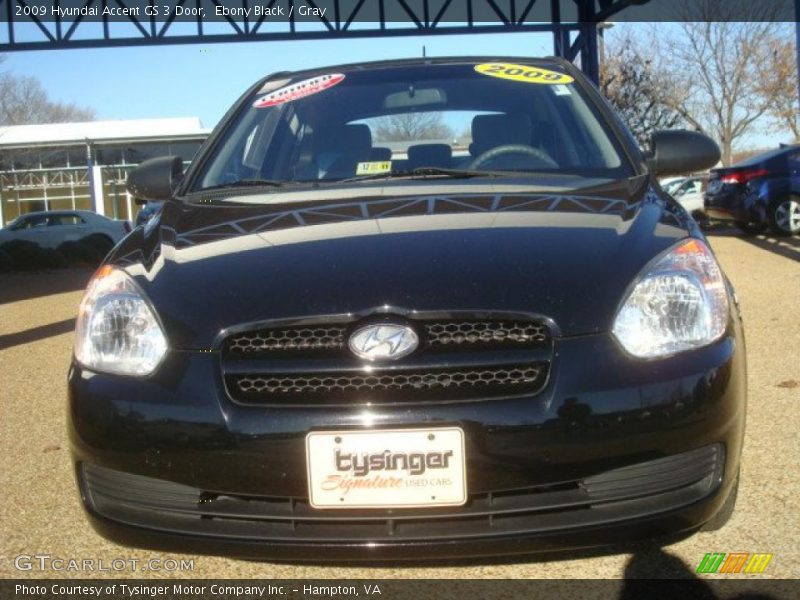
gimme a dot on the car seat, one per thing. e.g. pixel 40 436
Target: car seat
pixel 430 155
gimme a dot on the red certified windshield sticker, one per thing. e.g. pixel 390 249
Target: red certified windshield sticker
pixel 301 89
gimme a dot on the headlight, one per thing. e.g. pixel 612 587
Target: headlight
pixel 117 330
pixel 678 303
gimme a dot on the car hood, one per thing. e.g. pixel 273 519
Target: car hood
pixel 569 257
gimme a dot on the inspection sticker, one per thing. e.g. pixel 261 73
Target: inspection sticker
pixel 523 73
pixel 301 89
pixel 369 168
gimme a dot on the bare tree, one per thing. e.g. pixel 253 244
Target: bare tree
pixel 631 84
pixel 713 68
pixel 778 84
pixel 413 126
pixel 24 101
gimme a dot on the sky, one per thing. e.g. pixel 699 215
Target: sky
pixel 205 79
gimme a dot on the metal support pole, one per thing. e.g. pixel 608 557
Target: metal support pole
pixel 90 172
pixel 601 43
pixel 589 64
pixel 588 49
pixel 797 42
pixel 558 39
pixel 97 190
pixel 95 177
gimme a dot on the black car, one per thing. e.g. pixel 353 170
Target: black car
pixel 423 308
pixel 759 193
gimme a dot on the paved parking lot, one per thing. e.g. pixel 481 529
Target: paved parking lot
pixel 40 512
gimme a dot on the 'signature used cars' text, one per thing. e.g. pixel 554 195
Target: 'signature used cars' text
pixel 411 309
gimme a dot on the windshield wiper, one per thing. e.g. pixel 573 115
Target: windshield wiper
pixel 422 171
pixel 243 183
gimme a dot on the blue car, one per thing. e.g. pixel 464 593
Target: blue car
pixel 759 193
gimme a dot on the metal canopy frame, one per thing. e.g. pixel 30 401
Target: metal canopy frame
pixel 571 40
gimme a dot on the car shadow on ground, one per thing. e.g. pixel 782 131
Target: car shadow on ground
pixel 640 572
pixel 645 561
pixel 36 333
pixel 17 286
pixel 788 247
pixel 649 561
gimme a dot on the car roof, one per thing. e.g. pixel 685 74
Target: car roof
pixel 58 213
pixel 545 62
pixel 765 156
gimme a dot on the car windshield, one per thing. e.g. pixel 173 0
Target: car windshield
pixel 451 120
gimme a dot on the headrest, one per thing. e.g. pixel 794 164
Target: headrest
pixel 490 131
pixel 430 155
pixel 356 138
pixel 380 154
pixel 350 139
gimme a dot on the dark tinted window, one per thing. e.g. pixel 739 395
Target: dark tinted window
pixel 136 153
pixel 186 150
pixel 59 220
pixel 25 159
pixel 77 156
pixel 52 159
pixel 108 155
pixel 32 222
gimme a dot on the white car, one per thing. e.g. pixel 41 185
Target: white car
pixel 689 194
pixel 49 229
pixel 670 184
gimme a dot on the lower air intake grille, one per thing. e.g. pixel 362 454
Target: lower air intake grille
pixel 634 492
pixel 393 386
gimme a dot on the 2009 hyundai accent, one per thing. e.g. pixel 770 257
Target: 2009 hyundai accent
pixel 425 308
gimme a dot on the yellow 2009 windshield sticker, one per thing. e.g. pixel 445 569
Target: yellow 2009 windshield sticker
pixel 370 168
pixel 523 73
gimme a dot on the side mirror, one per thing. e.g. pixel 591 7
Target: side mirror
pixel 680 151
pixel 156 178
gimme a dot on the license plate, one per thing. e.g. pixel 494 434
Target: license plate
pixel 397 468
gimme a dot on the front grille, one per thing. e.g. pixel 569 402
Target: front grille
pixel 633 492
pixel 288 339
pixel 464 358
pixel 476 333
pixel 485 332
pixel 416 384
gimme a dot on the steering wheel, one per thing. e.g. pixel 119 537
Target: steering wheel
pixel 512 149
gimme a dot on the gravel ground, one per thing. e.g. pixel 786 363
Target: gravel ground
pixel 41 514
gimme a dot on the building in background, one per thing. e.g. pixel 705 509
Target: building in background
pixel 84 165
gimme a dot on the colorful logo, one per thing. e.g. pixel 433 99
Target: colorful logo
pixel 734 562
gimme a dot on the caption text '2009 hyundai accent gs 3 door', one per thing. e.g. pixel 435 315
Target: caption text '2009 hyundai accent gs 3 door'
pixel 429 308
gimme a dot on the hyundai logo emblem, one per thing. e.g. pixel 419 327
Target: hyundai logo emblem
pixel 383 341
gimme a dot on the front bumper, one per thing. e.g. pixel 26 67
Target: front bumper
pixel 539 455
